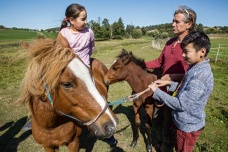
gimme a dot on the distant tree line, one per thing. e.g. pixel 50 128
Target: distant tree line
pixel 15 28
pixel 105 31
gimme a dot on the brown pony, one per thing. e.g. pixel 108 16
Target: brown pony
pixel 62 98
pixel 127 67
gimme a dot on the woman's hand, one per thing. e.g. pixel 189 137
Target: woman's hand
pixel 162 83
pixel 159 83
pixel 166 77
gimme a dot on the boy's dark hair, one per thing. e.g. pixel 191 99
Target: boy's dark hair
pixel 199 40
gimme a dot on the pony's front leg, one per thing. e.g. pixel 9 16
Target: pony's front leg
pixel 135 128
pixel 74 145
pixel 149 114
pixel 48 149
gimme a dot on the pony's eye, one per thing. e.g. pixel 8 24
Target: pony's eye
pixel 67 85
pixel 114 68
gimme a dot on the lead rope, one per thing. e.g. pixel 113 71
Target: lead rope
pixel 175 92
pixel 132 98
pixel 136 96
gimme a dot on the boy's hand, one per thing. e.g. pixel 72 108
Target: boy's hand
pixel 153 86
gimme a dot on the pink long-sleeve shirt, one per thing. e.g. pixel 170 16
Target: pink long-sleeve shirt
pixel 82 42
pixel 170 59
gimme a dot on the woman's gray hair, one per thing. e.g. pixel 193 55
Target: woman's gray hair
pixel 189 15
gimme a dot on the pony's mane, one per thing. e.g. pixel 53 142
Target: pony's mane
pixel 138 61
pixel 48 60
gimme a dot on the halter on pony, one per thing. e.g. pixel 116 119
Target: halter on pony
pixel 80 121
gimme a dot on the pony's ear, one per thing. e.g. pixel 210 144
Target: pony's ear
pixel 24 44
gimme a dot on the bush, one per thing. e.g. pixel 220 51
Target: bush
pixel 154 33
pixel 164 35
pixel 136 33
pixel 40 35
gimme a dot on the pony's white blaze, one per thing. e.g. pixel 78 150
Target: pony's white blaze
pixel 81 71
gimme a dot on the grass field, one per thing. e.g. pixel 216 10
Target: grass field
pixel 14 36
pixel 12 117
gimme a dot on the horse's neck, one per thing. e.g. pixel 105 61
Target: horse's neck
pixel 43 113
pixel 98 71
pixel 139 79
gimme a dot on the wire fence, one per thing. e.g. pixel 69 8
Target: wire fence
pixel 159 43
pixel 219 53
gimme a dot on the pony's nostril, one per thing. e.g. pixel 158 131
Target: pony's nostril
pixel 109 129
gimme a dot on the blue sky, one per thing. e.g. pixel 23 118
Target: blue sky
pixel 43 14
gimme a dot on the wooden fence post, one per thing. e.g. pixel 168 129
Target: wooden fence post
pixel 217 54
pixel 153 43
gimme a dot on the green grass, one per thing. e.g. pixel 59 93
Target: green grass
pixel 12 117
pixel 12 36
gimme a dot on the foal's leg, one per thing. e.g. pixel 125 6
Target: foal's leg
pixel 149 113
pixel 135 128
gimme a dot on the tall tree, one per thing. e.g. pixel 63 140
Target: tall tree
pixel 199 27
pixel 95 26
pixel 129 29
pixel 106 28
pixel 118 29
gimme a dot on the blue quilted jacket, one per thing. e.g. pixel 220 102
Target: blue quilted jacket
pixel 189 104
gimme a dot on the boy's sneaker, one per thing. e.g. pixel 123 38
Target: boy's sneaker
pixel 27 126
pixel 111 141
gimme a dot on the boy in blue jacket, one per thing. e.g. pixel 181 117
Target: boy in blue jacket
pixel 191 95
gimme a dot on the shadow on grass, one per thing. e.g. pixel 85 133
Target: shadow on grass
pixel 87 141
pixel 129 112
pixel 9 141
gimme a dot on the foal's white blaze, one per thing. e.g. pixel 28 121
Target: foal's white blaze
pixel 114 61
pixel 81 71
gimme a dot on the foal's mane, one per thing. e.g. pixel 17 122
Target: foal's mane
pixel 138 61
pixel 47 62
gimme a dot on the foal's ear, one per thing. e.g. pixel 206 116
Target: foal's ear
pixel 128 58
pixel 123 51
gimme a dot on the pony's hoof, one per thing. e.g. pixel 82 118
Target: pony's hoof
pixel 149 148
pixel 133 143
